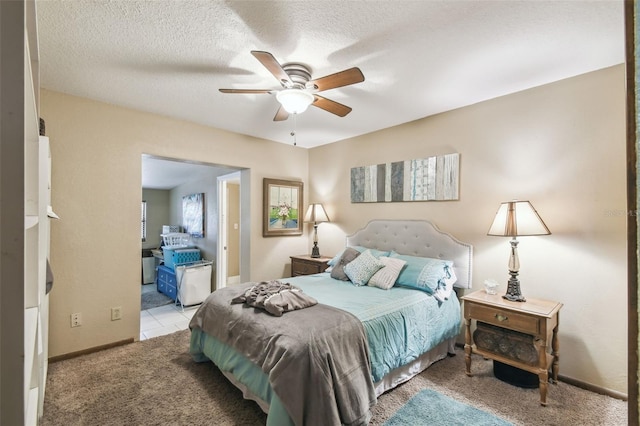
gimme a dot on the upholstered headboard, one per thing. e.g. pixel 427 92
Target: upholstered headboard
pixel 417 238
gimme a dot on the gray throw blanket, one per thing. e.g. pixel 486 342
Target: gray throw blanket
pixel 275 297
pixel 317 358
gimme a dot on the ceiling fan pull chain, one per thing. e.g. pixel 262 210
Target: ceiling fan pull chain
pixel 293 132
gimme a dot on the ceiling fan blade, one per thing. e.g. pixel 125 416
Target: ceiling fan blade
pixel 281 115
pixel 331 106
pixel 339 79
pixel 274 67
pixel 246 91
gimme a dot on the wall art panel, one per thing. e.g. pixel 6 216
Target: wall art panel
pixel 425 179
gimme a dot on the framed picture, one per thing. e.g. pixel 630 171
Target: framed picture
pixel 193 214
pixel 282 212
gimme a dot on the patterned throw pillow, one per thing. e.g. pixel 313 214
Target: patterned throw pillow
pixel 386 277
pixel 337 272
pixel 361 269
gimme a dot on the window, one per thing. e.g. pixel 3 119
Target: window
pixel 143 227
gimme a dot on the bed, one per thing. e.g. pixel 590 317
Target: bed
pixel 361 339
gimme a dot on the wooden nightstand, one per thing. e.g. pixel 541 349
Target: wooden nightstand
pixel 514 333
pixel 306 265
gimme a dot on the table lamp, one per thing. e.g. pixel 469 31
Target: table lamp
pixel 516 219
pixel 316 214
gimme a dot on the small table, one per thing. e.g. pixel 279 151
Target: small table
pixel 519 334
pixel 304 264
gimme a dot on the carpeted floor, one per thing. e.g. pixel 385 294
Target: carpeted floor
pixel 155 382
pixel 152 298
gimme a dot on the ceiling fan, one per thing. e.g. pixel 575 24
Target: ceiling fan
pixel 299 90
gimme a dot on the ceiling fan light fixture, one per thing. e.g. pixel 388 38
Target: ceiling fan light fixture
pixel 294 101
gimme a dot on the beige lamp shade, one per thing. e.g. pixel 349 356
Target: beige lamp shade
pixel 517 218
pixel 316 214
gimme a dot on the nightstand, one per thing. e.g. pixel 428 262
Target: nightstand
pixel 306 265
pixel 514 333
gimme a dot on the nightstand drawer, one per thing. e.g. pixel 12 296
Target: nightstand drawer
pixel 307 265
pixel 300 268
pixel 507 319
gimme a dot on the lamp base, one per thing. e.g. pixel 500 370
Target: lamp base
pixel 513 289
pixel 315 251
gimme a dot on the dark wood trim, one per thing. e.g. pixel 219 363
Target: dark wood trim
pixel 632 207
pixel 90 350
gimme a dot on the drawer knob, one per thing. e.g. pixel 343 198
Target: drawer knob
pixel 501 317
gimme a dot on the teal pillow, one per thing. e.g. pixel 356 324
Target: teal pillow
pixel 376 253
pixel 362 268
pixel 335 259
pixel 423 273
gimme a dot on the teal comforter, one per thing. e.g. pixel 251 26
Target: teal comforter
pixel 401 324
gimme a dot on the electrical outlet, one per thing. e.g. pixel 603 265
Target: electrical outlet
pixel 76 319
pixel 116 313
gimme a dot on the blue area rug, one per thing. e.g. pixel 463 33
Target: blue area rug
pixel 151 298
pixel 429 407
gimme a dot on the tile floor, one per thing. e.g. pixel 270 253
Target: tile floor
pixel 164 320
pixel 168 319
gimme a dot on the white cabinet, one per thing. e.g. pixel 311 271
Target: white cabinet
pixel 37 197
pixel 24 229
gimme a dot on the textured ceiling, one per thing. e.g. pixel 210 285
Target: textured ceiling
pixel 419 58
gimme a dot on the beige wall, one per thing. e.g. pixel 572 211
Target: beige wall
pixel 96 188
pixel 561 146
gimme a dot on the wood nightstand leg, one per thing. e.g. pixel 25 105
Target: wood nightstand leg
pixel 555 351
pixel 543 372
pixel 467 345
pixel 544 381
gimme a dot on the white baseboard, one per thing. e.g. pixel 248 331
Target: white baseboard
pixel 233 280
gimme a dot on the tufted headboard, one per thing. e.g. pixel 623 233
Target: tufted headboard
pixel 417 238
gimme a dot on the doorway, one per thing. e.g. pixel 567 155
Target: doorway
pixel 165 181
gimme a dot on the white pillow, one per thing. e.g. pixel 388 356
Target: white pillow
pixel 386 277
pixel 362 268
